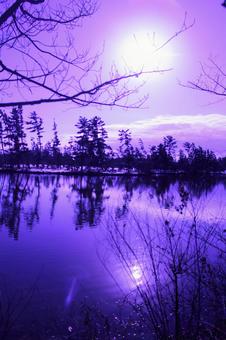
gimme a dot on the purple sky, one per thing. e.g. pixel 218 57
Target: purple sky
pixel 171 109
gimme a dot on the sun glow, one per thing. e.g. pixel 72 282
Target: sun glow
pixel 145 51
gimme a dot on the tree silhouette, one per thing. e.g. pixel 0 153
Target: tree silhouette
pixel 170 146
pixel 16 130
pixel 46 69
pixel 55 141
pixel 159 157
pixel 125 148
pixel 97 138
pixel 15 134
pixel 90 147
pixel 82 146
pixel 2 136
pixel 89 150
pixel 35 125
pixel 212 79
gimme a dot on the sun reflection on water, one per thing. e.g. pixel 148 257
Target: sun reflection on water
pixel 137 274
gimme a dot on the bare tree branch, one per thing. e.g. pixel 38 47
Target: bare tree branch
pixel 40 59
pixel 80 98
pixel 212 79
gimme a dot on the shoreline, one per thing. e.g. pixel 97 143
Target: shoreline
pixel 109 172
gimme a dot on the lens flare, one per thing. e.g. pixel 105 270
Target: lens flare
pixel 136 273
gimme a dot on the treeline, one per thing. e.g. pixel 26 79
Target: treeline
pixel 89 148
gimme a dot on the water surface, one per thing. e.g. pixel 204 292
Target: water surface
pixel 67 242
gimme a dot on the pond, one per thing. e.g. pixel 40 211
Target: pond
pixel 112 257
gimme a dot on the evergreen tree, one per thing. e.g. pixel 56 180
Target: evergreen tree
pixel 7 143
pixel 200 160
pixel 97 139
pixel 142 150
pixel 159 157
pixel 182 163
pixel 14 128
pixel 170 146
pixel 125 148
pixel 1 132
pixel 47 153
pixel 91 144
pixel 82 146
pixel 35 125
pixel 68 155
pixel 55 142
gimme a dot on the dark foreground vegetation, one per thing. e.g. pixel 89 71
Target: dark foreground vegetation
pixel 89 149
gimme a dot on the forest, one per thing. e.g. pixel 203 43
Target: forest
pixel 89 150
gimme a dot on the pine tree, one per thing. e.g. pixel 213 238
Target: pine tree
pixel 55 144
pixel 7 143
pixel 1 132
pixel 82 146
pixel 125 148
pixel 35 125
pixel 170 146
pixel 2 146
pixel 15 134
pixel 91 144
pixel 98 136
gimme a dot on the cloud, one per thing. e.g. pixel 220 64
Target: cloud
pixel 207 130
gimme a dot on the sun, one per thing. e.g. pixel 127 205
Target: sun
pixel 145 51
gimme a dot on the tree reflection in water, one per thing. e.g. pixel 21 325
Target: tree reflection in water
pixel 173 259
pixel 89 196
pixel 14 190
pixel 32 215
pixel 54 194
pixel 89 206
